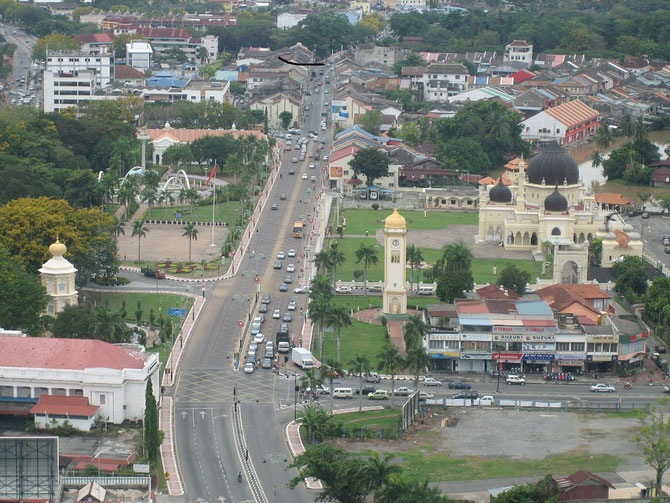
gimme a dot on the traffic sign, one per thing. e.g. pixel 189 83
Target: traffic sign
pixel 240 323
pixel 176 311
pixel 257 279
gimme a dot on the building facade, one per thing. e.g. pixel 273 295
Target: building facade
pixel 58 277
pixel 567 123
pixel 519 51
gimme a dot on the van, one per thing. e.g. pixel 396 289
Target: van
pixel 343 393
pixel 426 290
pixel 380 394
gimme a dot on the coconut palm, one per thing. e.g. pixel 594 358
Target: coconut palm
pixel 127 193
pixel 336 258
pixel 319 310
pixel 337 318
pixel 457 257
pixel 390 362
pixel 322 260
pixel 414 257
pixel 368 255
pixel 381 469
pixel 109 185
pixel 316 421
pixel 414 330
pixel 597 159
pixel 417 360
pixel 626 125
pixel 640 130
pixel 360 365
pixel 140 230
pixel 603 137
pixel 193 197
pixel 118 227
pixel 328 369
pixel 150 196
pixel 190 232
pixel 311 380
pixel 321 288
pixel 108 326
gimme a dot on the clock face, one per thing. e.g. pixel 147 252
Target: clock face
pixel 395 242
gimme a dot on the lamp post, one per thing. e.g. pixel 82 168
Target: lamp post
pixel 498 372
pixel 144 137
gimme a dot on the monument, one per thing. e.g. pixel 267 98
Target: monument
pixel 395 242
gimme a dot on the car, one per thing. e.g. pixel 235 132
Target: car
pixel 301 289
pixel 666 241
pixel 312 179
pixel 259 319
pixel 263 308
pixel 403 391
pixel 602 388
pixel 471 395
pixel 283 328
pixel 295 159
pixel 291 253
pixel 287 317
pixel 366 390
pixel 320 389
pixel 288 279
pixel 265 299
pixel 372 377
pixel 290 268
pixel 645 215
pixel 423 395
pixel 249 368
pixel 380 394
pixel 515 379
pixel 253 347
pixel 251 359
pixel 277 265
pixel 267 363
pixel 283 287
pixel 325 157
pixel 304 176
pixel 660 349
pixel 312 165
pixel 343 289
pixel 667 249
pixel 291 172
pixel 259 338
pixel 431 381
pixel 282 197
pixel 255 328
pixel 269 348
pixel 276 314
pixel 281 255
pixel 274 206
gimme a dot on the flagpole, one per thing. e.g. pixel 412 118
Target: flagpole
pixel 213 203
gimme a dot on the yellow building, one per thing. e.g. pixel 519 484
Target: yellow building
pixel 58 277
pixel 395 281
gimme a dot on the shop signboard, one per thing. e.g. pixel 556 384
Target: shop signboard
pixel 476 337
pixel 446 355
pixel 524 337
pixel 538 346
pixel 524 330
pixel 476 356
pixel 539 356
pixel 570 357
pixel 508 357
pixel 336 171
pixel 602 358
pixel 602 338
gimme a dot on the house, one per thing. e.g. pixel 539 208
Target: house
pixel 139 54
pixel 164 39
pixel 661 174
pixel 483 93
pixel 124 74
pixel 441 80
pixel 519 51
pixel 112 377
pixel 54 410
pixel 612 202
pixel 410 4
pixel 566 123
pixel 498 292
pixel 95 43
pixel 427 173
pixel 561 298
pixel 371 53
pixel 275 104
pixel 583 485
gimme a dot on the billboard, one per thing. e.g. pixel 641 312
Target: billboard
pixel 338 110
pixel 28 468
pixel 336 171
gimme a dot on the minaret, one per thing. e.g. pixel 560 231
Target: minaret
pixel 58 277
pixel 521 190
pixel 395 261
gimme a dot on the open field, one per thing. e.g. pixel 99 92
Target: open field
pixel 358 339
pixel 359 221
pixel 225 212
pixel 359 302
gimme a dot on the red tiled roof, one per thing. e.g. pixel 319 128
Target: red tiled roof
pixel 190 135
pixel 127 72
pixel 573 113
pixel 622 239
pixel 164 33
pixel 588 291
pixel 611 198
pixel 519 43
pixel 344 152
pixel 68 354
pixel 583 475
pixel 559 297
pixel 89 38
pixel 497 292
pixel 66 405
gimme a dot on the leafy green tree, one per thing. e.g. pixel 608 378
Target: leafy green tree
pixel 319 311
pixel 285 118
pixel 410 134
pixel 323 261
pixel 55 42
pixel 630 276
pixel 382 468
pixel 595 251
pixel 603 137
pixel 190 232
pixel 73 322
pixel 152 437
pixel 452 285
pixel 371 163
pixel 370 121
pixel 360 365
pixel 311 380
pixel 390 362
pixel 657 302
pixel 544 491
pixel 464 154
pixel 177 154
pixel 140 230
pixel 368 255
pixel 109 326
pixel 398 489
pixel 316 422
pixel 414 258
pixel 513 278
pixel 408 24
pixel 417 360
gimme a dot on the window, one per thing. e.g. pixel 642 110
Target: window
pixel 562 346
pixel 436 344
pixel 102 399
pixel 576 346
pixel 395 258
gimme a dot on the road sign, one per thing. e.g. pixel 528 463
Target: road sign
pixel 240 323
pixel 257 279
pixel 176 311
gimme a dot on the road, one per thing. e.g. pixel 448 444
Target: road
pixel 652 230
pixel 21 64
pixel 207 449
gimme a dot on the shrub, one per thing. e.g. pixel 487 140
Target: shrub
pixel 375 206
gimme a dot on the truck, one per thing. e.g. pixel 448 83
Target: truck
pixel 283 344
pixel 303 358
pixel 153 273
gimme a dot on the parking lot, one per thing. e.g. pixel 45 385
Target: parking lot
pixel 652 231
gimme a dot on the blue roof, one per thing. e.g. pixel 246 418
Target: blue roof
pixel 485 322
pixel 382 139
pixel 533 307
pixel 481 81
pixel 229 75
pixel 166 82
pixel 365 141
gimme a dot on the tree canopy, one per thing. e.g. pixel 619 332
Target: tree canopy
pixel 370 163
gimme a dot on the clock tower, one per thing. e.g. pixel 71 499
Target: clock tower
pixel 395 288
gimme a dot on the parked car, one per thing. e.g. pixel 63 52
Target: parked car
pixel 265 299
pixel 423 395
pixel 343 289
pixel 276 314
pixel 380 394
pixel 267 363
pixel 301 289
pixel 274 206
pixel 366 390
pixel 602 388
pixel 431 381
pixel 660 349
pixel 459 385
pixel 249 368
pixel 277 265
pixel 515 379
pixel 471 395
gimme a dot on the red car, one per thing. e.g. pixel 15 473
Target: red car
pixel 282 197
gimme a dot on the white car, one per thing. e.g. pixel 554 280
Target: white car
pixel 259 338
pixel 290 268
pixel 403 391
pixel 320 389
pixel 292 305
pixel 281 255
pixel 343 289
pixel 423 395
pixel 602 388
pixel 291 253
pixel 276 314
pixel 301 289
pixel 304 176
pixel 249 368
pixel 312 165
pixel 515 379
pixel 431 381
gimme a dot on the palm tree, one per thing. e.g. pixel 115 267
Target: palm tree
pixel 140 230
pixel 414 257
pixel 193 197
pixel 626 125
pixel 338 317
pixel 127 193
pixel 319 310
pixel 118 227
pixel 640 130
pixel 597 159
pixel 603 137
pixel 368 255
pixel 321 288
pixel 316 421
pixel 329 368
pixel 417 360
pixel 310 379
pixel 457 256
pixel 360 365
pixel 390 362
pixel 108 326
pixel 336 258
pixel 109 184
pixel 381 469
pixel 190 232
pixel 414 330
pixel 322 261
pixel 150 196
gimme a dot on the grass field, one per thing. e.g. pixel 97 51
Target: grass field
pixel 225 212
pixel 359 221
pixel 358 339
pixel 371 420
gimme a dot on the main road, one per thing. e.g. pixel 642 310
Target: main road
pixel 210 450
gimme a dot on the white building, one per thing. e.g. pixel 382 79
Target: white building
pixel 67 89
pixel 195 92
pixel 441 80
pixel 287 20
pixel 101 65
pixel 139 54
pixel 410 4
pixel 58 277
pixel 112 377
pixel 566 123
pixel 519 51
pixel 395 270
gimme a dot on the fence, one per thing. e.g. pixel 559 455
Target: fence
pixel 409 410
pixel 121 482
pixel 544 405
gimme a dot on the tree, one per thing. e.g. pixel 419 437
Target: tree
pixel 414 330
pixel 316 421
pixel 595 251
pixel 360 365
pixel 121 40
pixel 285 118
pixel 640 130
pixel 151 432
pixel 381 469
pixel 190 232
pixel 323 262
pixel 319 311
pixel 657 302
pixel 177 153
pixel 336 257
pixel 108 326
pixel 73 322
pixel 414 258
pixel 417 360
pixel 390 362
pixel 338 317
pixel 371 163
pixel 464 154
pixel 451 285
pixel 328 370
pixel 513 278
pixel 544 491
pixel 370 121
pixel 626 125
pixel 368 255
pixel 410 133
pixel 311 380
pixel 55 42
pixel 630 276
pixel 597 159
pixel 603 138
pixel 398 489
pixel 22 297
pixel 457 257
pixel 140 230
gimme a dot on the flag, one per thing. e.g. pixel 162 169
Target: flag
pixel 211 175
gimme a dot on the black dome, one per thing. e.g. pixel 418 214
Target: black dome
pixel 500 193
pixel 553 165
pixel 556 201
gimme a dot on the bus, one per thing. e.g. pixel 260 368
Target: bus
pixel 297 229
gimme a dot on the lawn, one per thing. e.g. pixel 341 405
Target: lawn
pixel 359 221
pixel 225 212
pixel 358 339
pixel 482 269
pixel 371 420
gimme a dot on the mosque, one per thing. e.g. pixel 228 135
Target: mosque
pixel 546 202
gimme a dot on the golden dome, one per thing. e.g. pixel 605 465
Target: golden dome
pixel 57 248
pixel 395 221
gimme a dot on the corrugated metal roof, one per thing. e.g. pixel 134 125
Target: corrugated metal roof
pixel 533 307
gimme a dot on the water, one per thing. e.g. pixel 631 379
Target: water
pixel 589 174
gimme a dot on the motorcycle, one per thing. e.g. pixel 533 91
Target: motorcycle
pixel 628 385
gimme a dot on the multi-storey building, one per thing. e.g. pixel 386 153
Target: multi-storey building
pixel 100 65
pixel 519 51
pixel 68 89
pixel 441 80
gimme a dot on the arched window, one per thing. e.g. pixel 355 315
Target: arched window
pixel 556 231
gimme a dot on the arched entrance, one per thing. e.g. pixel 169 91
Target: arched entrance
pixel 533 239
pixel 526 239
pixel 510 238
pixel 490 233
pixel 570 272
pixel 555 231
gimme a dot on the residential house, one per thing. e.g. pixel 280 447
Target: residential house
pixel 566 123
pixel 275 104
pixel 95 43
pixel 608 201
pixel 124 74
pixel 427 173
pixel 661 174
pixel 496 292
pixel 442 80
pixel 562 298
pixel 483 93
pixel 583 485
pixel 519 51
pixel 56 410
pixel 164 39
